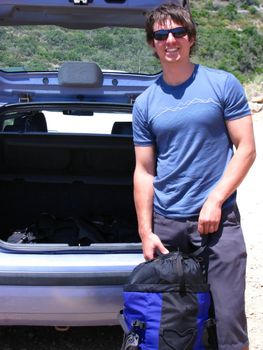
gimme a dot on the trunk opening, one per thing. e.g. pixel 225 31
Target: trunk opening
pixel 86 179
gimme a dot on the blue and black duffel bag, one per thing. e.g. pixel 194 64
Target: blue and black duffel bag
pixel 166 305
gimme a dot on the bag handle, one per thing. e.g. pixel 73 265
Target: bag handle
pixel 194 254
pixel 179 264
pixel 199 251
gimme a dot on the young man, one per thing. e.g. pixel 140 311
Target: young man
pixel 185 126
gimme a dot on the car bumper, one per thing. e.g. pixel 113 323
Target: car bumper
pixel 64 289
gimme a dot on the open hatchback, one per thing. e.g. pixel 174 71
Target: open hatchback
pixel 68 231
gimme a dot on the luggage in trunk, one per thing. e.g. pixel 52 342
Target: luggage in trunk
pixel 83 178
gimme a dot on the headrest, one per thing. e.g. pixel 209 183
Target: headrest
pixel 123 128
pixel 28 123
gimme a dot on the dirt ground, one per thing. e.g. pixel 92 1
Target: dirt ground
pixel 250 199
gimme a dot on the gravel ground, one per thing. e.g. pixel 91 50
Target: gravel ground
pixel 47 338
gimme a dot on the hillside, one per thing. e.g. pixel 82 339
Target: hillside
pixel 229 37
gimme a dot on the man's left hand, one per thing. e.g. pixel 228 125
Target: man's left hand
pixel 209 218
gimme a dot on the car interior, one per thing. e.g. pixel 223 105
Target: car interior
pixel 78 175
pixel 66 175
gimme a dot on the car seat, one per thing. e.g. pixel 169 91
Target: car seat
pixel 28 123
pixel 123 128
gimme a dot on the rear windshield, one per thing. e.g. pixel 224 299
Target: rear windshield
pixel 68 121
pixel 41 48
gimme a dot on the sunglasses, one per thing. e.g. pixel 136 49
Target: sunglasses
pixel 162 34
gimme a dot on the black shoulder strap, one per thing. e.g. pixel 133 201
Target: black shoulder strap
pixel 198 251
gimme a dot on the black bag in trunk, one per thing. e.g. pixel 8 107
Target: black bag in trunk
pixel 48 229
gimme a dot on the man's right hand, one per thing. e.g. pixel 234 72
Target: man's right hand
pixel 151 244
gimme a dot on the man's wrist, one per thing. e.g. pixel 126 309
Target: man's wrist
pixel 215 199
pixel 145 233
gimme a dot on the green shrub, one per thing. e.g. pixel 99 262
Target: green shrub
pixel 227 39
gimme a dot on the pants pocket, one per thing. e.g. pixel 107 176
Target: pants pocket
pixel 171 339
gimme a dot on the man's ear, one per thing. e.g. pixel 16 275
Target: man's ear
pixel 192 41
pixel 151 44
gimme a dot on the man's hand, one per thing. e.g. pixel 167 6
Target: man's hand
pixel 151 244
pixel 209 218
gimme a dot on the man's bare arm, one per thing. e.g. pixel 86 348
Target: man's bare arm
pixel 143 197
pixel 242 136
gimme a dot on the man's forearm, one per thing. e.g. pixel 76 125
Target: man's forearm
pixel 143 197
pixel 235 173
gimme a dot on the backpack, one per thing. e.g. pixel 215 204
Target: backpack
pixel 166 305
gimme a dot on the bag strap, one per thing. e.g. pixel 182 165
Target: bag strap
pixel 198 251
pixel 194 254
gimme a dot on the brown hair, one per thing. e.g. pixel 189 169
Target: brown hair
pixel 174 12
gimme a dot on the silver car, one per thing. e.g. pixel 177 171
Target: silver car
pixel 68 225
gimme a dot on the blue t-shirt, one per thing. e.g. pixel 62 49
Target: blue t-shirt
pixel 186 124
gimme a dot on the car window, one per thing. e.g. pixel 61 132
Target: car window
pixel 97 123
pixel 69 121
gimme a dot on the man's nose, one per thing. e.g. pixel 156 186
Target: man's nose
pixel 170 37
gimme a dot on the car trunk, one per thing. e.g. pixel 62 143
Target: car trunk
pixel 84 178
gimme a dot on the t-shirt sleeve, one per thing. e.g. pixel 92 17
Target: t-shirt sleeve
pixel 235 101
pixel 142 135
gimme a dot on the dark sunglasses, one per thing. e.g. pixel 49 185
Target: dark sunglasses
pixel 162 34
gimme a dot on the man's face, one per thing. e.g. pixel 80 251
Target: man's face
pixel 172 49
